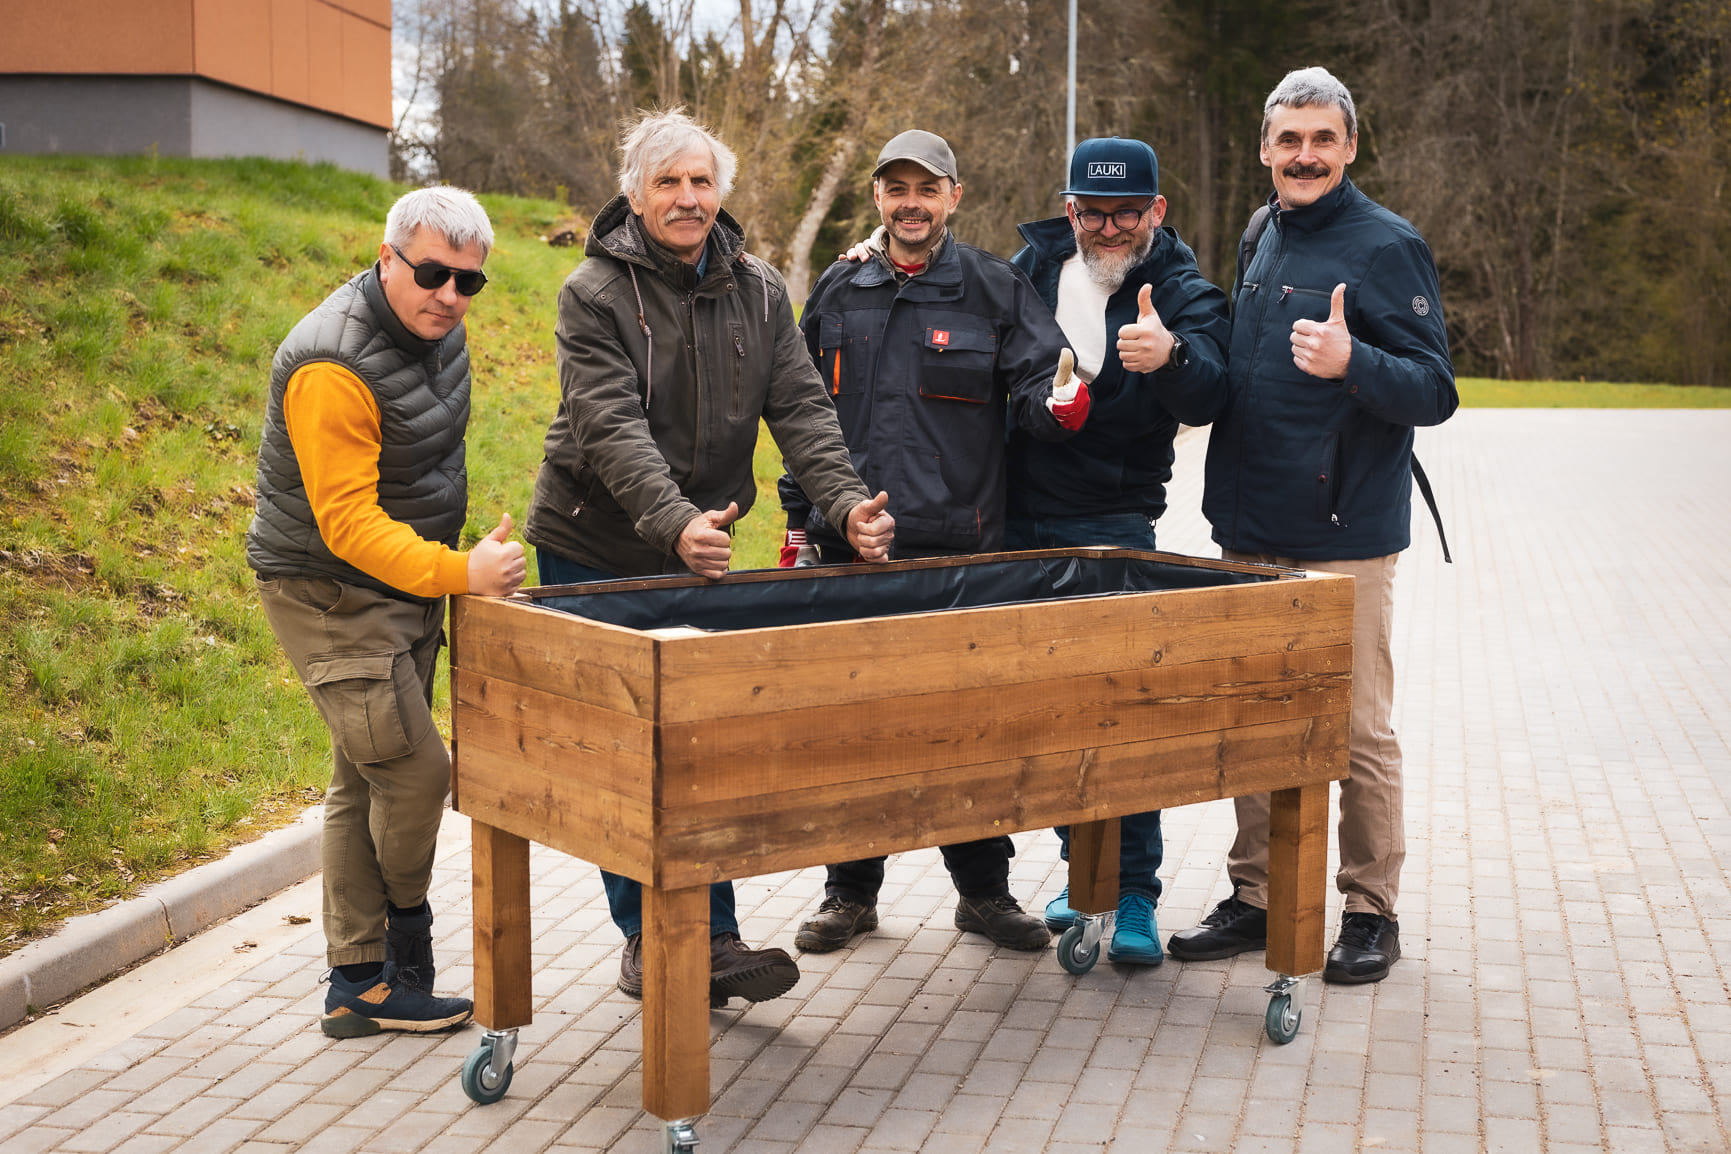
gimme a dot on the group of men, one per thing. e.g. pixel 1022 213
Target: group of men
pixel 990 404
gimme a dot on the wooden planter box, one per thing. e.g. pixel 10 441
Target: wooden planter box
pixel 680 756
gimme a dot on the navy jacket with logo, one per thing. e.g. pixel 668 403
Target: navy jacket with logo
pixel 1122 458
pixel 924 375
pixel 1316 469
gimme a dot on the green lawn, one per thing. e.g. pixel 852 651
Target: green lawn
pixel 149 719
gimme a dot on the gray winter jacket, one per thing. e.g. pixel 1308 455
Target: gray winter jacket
pixel 664 378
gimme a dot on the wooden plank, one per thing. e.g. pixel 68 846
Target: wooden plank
pixel 760 671
pixel 723 758
pixel 555 734
pixel 516 640
pixel 676 1001
pixel 824 823
pixel 1297 878
pixel 503 977
pixel 572 815
pixel 1094 866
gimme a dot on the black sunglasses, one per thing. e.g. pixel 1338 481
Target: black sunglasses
pixel 1093 220
pixel 430 274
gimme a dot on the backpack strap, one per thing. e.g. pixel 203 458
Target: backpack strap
pixel 1430 500
pixel 1247 245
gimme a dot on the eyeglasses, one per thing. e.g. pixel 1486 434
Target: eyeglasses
pixel 1093 220
pixel 430 274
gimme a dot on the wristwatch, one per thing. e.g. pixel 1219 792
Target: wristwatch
pixel 1179 357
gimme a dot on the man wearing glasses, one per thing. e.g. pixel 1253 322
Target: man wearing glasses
pixel 362 498
pixel 1149 334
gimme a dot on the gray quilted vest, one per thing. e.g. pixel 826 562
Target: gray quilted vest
pixel 422 390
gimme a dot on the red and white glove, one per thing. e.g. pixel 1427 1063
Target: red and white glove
pixel 795 553
pixel 1069 400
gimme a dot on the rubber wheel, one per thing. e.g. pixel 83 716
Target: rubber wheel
pixel 1282 1019
pixel 481 1082
pixel 1072 956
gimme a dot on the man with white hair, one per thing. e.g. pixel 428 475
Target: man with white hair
pixel 1149 332
pixel 1338 350
pixel 362 497
pixel 673 343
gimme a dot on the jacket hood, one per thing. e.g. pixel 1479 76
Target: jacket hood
pixel 618 232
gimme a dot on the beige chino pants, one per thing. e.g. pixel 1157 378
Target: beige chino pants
pixel 1372 830
pixel 367 661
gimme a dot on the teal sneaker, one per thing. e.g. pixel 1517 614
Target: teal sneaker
pixel 1135 938
pixel 1059 915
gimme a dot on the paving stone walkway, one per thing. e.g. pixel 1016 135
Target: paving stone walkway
pixel 1566 916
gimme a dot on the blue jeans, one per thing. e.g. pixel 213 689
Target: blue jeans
pixel 624 896
pixel 1140 847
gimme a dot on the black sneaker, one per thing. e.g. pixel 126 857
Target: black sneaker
pixel 409 943
pixel 1368 945
pixel 387 1002
pixel 833 926
pixel 1232 927
pixel 1004 921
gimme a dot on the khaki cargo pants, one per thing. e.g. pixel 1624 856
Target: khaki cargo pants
pixel 367 661
pixel 1372 827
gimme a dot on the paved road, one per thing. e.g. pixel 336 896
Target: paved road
pixel 1566 917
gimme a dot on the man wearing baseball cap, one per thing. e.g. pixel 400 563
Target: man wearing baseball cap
pixel 1149 334
pixel 928 347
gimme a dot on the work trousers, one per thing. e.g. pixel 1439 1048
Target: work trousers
pixel 1140 845
pixel 367 661
pixel 1372 829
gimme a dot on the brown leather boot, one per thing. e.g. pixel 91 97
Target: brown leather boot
pixel 738 971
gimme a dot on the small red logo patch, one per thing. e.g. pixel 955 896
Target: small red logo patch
pixel 940 337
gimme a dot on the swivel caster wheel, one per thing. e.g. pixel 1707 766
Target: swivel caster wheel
pixel 1075 953
pixel 1282 1019
pixel 679 1138
pixel 487 1071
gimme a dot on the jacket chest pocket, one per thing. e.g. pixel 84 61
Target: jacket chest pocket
pixel 1305 303
pixel 841 358
pixel 956 364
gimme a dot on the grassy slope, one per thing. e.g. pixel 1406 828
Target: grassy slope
pixel 148 718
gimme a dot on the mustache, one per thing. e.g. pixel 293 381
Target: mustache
pixel 1306 171
pixel 680 214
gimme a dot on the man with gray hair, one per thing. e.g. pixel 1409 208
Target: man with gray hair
pixel 1338 350
pixel 673 343
pixel 362 498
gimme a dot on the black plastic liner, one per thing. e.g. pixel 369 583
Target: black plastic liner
pixel 808 596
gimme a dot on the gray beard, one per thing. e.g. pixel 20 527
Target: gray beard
pixel 1109 272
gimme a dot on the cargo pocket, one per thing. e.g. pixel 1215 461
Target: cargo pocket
pixel 956 364
pixel 358 698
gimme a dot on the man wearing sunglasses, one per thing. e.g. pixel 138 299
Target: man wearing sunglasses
pixel 362 499
pixel 1149 334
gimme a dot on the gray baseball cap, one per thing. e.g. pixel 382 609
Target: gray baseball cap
pixel 926 149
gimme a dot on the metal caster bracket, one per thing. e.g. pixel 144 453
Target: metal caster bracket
pixel 679 1137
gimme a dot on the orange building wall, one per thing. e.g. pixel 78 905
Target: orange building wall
pixel 334 55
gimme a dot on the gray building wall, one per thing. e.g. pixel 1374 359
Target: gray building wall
pixel 177 116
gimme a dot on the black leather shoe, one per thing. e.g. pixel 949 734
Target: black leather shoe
pixel 1002 920
pixel 738 971
pixel 1232 927
pixel 631 967
pixel 836 922
pixel 1368 945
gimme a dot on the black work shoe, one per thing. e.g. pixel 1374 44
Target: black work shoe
pixel 361 1009
pixel 1002 920
pixel 836 922
pixel 1368 945
pixel 738 971
pixel 631 967
pixel 1232 927
pixel 409 943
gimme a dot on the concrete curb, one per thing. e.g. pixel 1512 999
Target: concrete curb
pixel 92 948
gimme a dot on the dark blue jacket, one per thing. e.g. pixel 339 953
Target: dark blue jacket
pixel 1121 460
pixel 1316 469
pixel 924 375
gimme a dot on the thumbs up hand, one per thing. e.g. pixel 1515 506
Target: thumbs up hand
pixel 704 544
pixel 1145 345
pixel 870 528
pixel 496 563
pixel 1324 348
pixel 1069 401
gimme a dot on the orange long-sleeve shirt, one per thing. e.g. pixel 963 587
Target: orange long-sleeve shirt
pixel 333 424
